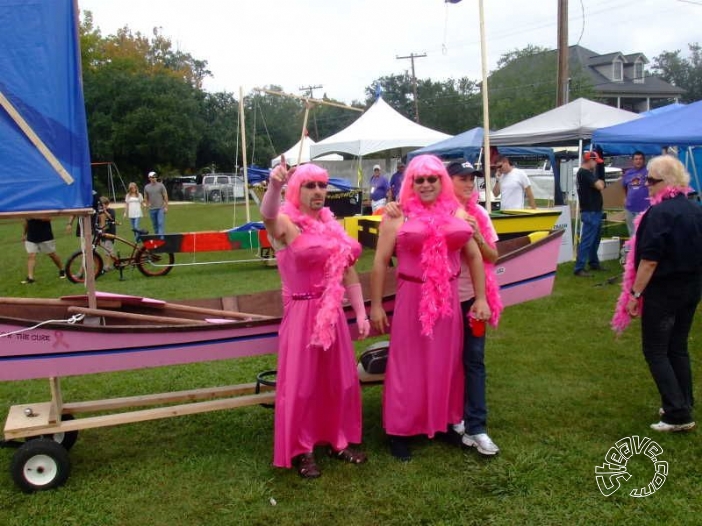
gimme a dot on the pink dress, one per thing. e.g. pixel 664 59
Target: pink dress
pixel 318 396
pixel 424 377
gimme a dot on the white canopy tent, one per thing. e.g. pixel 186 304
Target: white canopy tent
pixel 293 152
pixel 379 128
pixel 563 125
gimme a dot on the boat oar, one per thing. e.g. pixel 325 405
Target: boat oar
pixel 210 312
pixel 163 320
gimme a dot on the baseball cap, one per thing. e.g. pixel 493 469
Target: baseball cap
pixel 376 167
pixel 463 168
pixel 152 174
pixel 587 156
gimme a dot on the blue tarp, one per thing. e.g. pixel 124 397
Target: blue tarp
pixel 467 145
pixel 677 127
pixel 40 77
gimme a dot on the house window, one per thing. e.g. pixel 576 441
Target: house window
pixel 617 71
pixel 638 71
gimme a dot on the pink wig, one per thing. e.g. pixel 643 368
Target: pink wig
pixel 303 174
pixel 426 165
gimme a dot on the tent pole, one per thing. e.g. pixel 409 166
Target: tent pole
pixel 486 111
pixel 303 135
pixel 576 232
pixel 242 122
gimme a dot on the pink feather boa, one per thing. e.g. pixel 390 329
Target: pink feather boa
pixel 621 319
pixel 436 294
pixel 345 254
pixel 492 288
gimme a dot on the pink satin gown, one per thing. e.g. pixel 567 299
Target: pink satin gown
pixel 318 396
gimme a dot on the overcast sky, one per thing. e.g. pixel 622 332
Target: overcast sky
pixel 345 45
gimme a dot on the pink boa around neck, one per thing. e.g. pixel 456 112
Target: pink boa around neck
pixel 492 288
pixel 436 294
pixel 621 319
pixel 344 256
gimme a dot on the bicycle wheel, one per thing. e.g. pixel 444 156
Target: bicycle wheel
pixel 152 263
pixel 74 267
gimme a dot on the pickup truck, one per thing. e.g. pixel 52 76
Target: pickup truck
pixel 541 178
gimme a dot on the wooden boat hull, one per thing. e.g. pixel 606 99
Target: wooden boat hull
pixel 149 337
pixel 528 271
pixel 514 223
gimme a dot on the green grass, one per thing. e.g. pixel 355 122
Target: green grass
pixel 561 391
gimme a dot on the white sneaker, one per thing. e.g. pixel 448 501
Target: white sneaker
pixel 459 428
pixel 482 443
pixel 672 428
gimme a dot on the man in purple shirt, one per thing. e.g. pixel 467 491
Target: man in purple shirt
pixel 379 189
pixel 635 190
pixel 396 181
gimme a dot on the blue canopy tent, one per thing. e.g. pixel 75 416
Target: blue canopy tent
pixel 44 153
pixel 468 145
pixel 681 127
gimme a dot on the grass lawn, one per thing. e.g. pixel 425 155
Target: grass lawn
pixel 561 391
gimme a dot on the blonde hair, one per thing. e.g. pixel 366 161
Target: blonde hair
pixel 670 169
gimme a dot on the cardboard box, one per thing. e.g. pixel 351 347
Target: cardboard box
pixel 609 249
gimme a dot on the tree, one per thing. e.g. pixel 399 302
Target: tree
pixel 524 85
pixel 684 73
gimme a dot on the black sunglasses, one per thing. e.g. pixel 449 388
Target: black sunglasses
pixel 431 179
pixel 651 181
pixel 311 185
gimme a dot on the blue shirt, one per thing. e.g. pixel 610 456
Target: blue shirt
pixel 396 184
pixel 379 188
pixel 636 190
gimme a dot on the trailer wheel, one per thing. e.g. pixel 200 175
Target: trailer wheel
pixel 67 438
pixel 40 465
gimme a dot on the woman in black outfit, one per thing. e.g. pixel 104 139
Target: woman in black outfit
pixel 667 287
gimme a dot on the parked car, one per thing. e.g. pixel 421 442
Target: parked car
pixel 180 187
pixel 219 187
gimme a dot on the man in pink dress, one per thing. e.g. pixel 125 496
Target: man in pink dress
pixel 318 398
pixel 423 392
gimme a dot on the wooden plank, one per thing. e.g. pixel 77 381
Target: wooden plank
pixel 35 140
pixel 56 399
pixel 190 395
pixel 164 320
pixel 19 422
pixel 145 415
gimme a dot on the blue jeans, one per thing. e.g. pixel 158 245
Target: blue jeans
pixel 134 221
pixel 589 240
pixel 158 220
pixel 474 403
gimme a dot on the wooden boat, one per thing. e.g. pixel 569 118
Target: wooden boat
pixel 508 224
pixel 52 338
pixel 514 223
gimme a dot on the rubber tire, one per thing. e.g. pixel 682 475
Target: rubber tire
pixel 66 439
pixel 74 266
pixel 215 196
pixel 143 259
pixel 45 461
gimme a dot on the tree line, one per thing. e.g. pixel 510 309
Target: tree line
pixel 147 110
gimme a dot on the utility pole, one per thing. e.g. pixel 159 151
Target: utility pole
pixel 562 78
pixel 412 56
pixel 310 91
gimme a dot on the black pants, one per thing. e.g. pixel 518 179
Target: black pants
pixel 669 308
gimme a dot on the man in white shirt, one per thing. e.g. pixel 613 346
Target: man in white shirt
pixel 512 183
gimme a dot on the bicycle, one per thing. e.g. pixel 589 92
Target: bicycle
pixel 149 262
